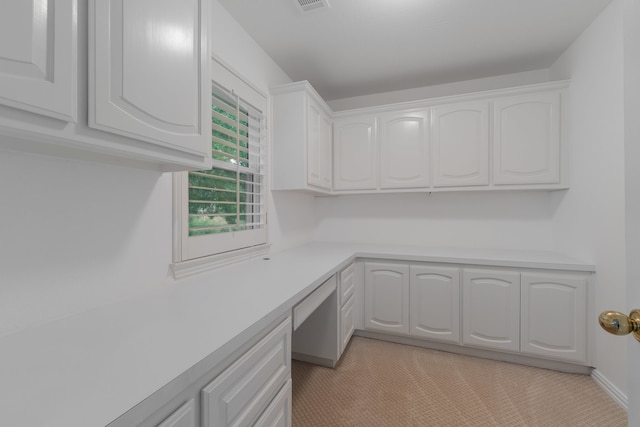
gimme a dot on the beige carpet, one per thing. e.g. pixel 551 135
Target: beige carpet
pixel 385 384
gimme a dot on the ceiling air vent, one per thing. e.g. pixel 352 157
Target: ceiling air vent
pixel 308 6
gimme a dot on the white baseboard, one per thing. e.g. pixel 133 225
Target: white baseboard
pixel 619 397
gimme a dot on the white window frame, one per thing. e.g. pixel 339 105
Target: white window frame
pixel 194 254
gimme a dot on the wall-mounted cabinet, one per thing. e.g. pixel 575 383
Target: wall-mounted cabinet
pixel 526 139
pixel 355 153
pixel 302 145
pixel 404 149
pixel 460 144
pixel 75 67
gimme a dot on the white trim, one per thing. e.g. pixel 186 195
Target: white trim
pixel 239 75
pixel 200 265
pixel 614 392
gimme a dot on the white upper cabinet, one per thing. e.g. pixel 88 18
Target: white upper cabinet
pixel 319 161
pixel 149 71
pixel 526 139
pixel 355 153
pixel 460 143
pixel 404 149
pixel 302 149
pixel 38 57
pixel 126 82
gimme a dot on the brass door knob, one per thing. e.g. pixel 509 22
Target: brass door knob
pixel 618 323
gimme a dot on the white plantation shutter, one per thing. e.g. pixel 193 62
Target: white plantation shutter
pixel 223 209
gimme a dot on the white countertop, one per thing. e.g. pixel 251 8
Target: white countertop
pixel 88 369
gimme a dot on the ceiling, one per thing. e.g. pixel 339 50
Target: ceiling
pixel 361 47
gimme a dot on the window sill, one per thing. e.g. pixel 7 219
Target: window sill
pixel 199 265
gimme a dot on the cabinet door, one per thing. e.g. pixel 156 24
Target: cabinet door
pixel 386 305
pixel 241 393
pixel 460 141
pixel 347 323
pixel 355 154
pixel 435 303
pixel 526 139
pixel 554 316
pixel 149 73
pixel 38 51
pixel 404 150
pixel 491 309
pixel 318 147
pixel 278 414
pixel 185 416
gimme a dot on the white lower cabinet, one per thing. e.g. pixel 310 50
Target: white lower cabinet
pixel 491 309
pixel 240 395
pixel 434 310
pixel 554 316
pixel 540 313
pixel 386 297
pixel 346 303
pixel 185 416
pixel 278 414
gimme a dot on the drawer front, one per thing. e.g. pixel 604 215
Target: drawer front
pixel 311 302
pixel 347 283
pixel 347 323
pixel 185 416
pixel 278 414
pixel 241 393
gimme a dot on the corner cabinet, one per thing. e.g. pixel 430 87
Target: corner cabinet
pixel 111 81
pixel 526 139
pixel 302 148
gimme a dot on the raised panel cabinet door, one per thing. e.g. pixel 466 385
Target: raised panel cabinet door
pixel 347 323
pixel 355 154
pixel 554 315
pixel 278 414
pixel 526 139
pixel 386 293
pixel 149 75
pixel 38 56
pixel 435 303
pixel 185 416
pixel 491 309
pixel 460 141
pixel 404 150
pixel 326 152
pixel 241 393
pixel 318 147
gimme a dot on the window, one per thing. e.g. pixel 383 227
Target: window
pixel 222 211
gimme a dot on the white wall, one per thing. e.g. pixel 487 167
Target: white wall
pixel 589 220
pixel 75 235
pixel 447 89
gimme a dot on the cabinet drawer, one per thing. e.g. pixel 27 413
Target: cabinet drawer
pixel 241 393
pixel 185 416
pixel 278 414
pixel 311 302
pixel 347 283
